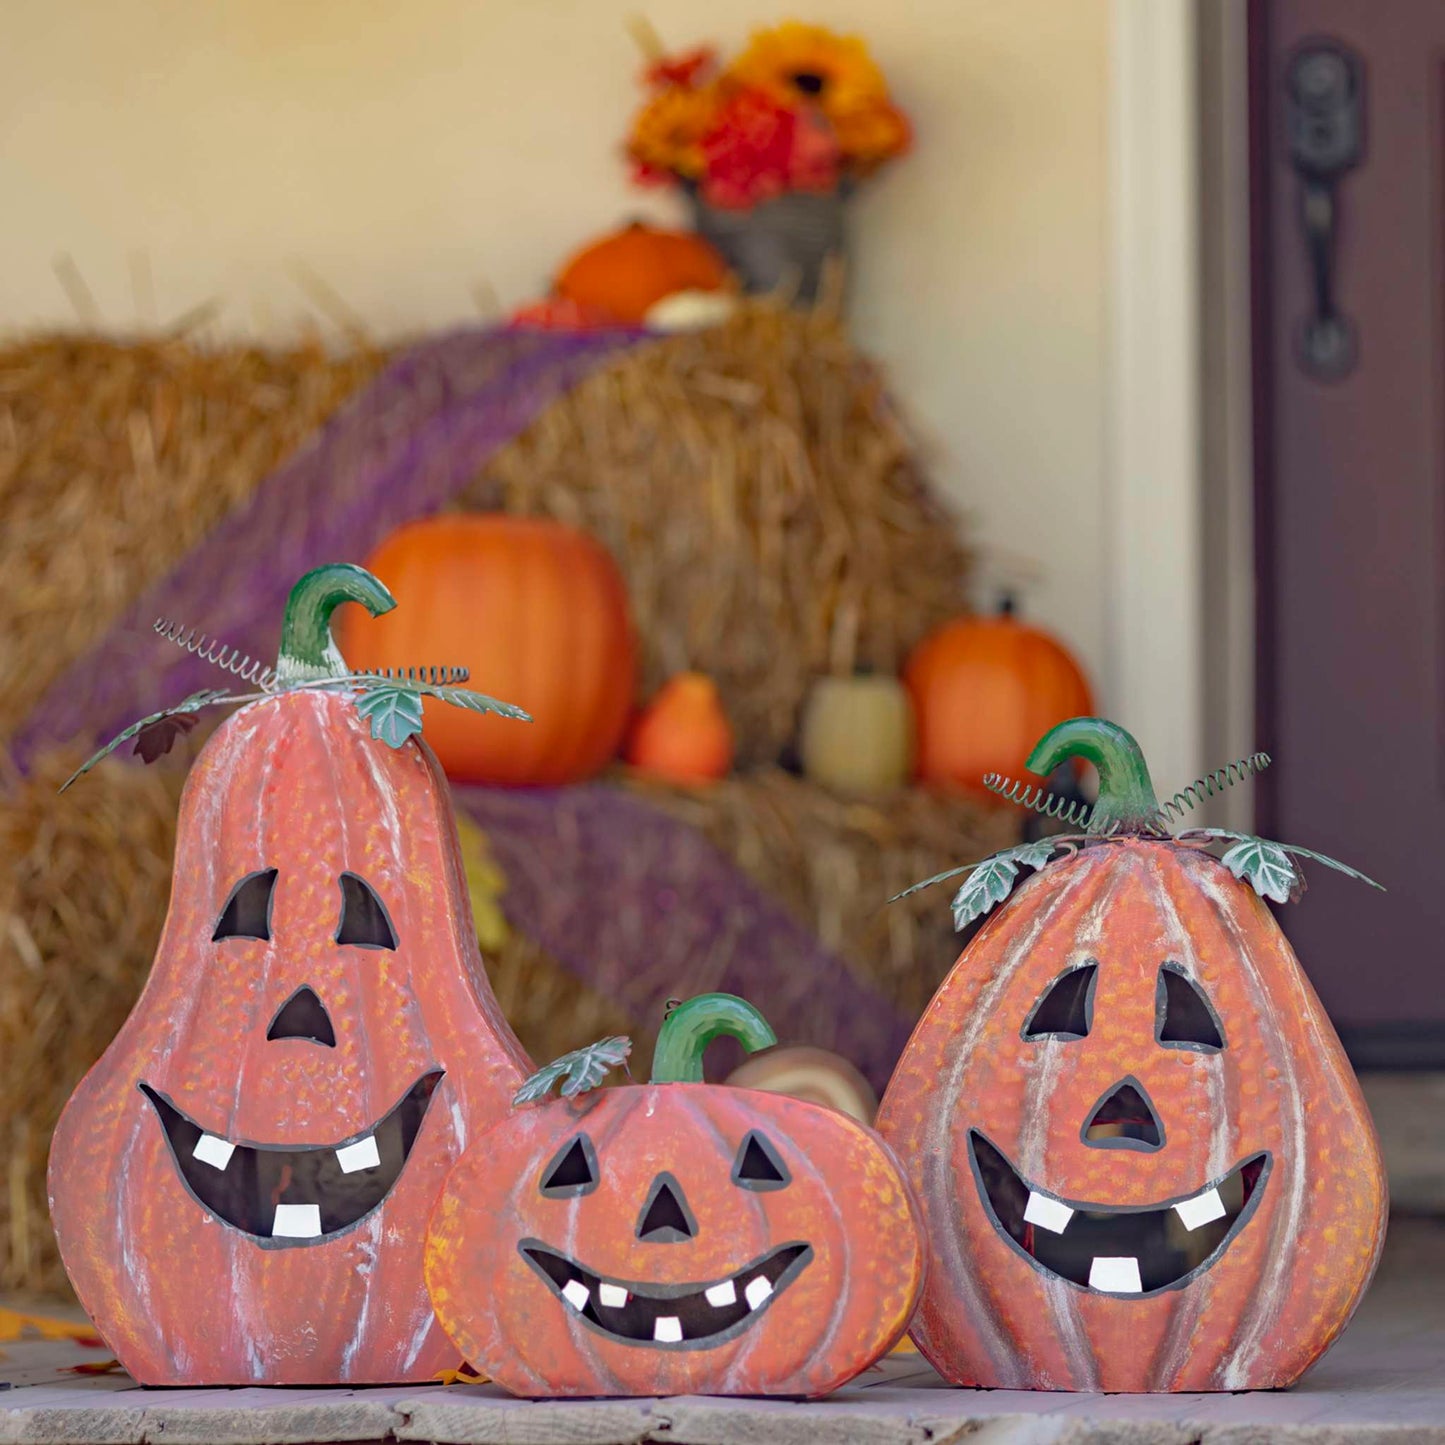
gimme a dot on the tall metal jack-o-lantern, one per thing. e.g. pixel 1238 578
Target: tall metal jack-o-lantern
pixel 1143 1160
pixel 240 1186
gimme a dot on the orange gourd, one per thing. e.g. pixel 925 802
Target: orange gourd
pixel 626 273
pixel 537 608
pixel 983 689
pixel 674 1237
pixel 683 734
pixel 1143 1160
pixel 240 1186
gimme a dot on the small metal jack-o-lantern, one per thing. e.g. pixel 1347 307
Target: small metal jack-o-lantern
pixel 1143 1160
pixel 240 1186
pixel 674 1237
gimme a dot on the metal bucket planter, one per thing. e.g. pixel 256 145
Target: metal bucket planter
pixel 784 242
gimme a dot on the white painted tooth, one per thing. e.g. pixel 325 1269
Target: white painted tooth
pixel 667 1330
pixel 1118 1275
pixel 362 1154
pixel 1201 1209
pixel 1050 1214
pixel 576 1294
pixel 757 1291
pixel 612 1295
pixel 297 1221
pixel 721 1295
pixel 213 1151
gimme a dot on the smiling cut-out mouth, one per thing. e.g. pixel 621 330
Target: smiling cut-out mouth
pixel 677 1316
pixel 283 1196
pixel 1128 1251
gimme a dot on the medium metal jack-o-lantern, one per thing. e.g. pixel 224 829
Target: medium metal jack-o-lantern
pixel 1143 1160
pixel 674 1237
pixel 240 1186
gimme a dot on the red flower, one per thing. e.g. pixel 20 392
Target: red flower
pixel 686 69
pixel 757 148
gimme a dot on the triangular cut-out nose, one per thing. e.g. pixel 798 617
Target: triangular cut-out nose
pixel 303 1016
pixel 666 1219
pixel 1125 1118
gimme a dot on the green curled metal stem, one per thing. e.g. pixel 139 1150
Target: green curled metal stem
pixel 308 652
pixel 692 1026
pixel 1126 792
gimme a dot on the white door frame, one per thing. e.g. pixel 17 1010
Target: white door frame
pixel 1153 556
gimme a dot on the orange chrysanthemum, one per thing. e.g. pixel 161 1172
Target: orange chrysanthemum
pixel 667 134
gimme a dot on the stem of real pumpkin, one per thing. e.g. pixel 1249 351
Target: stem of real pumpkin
pixel 308 652
pixel 1126 791
pixel 692 1026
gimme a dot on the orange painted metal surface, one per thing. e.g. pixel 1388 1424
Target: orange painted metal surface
pixel 293 783
pixel 502 1254
pixel 1278 1098
pixel 539 613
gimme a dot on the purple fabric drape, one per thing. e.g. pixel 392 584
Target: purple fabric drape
pixel 644 908
pixel 401 448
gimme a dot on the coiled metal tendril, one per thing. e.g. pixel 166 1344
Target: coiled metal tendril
pixel 1039 800
pixel 1211 783
pixel 219 654
pixel 430 676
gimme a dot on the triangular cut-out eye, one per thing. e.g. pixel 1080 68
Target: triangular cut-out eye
pixel 1183 1017
pixel 364 920
pixel 1066 1011
pixel 758 1166
pixel 573 1170
pixel 247 913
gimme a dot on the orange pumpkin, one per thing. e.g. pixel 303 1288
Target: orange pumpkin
pixel 674 1237
pixel 683 734
pixel 240 1186
pixel 983 689
pixel 1143 1160
pixel 537 608
pixel 626 273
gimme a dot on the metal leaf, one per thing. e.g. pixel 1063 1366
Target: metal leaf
pixel 477 702
pixel 1031 855
pixel 1331 863
pixel 578 1071
pixel 156 734
pixel 1293 848
pixel 993 880
pixel 1266 867
pixel 395 713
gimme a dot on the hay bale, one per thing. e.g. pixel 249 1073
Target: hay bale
pixel 765 503
pixel 116 458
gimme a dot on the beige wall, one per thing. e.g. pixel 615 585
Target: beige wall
pixel 416 153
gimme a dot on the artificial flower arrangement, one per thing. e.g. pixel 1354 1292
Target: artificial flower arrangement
pixel 800 109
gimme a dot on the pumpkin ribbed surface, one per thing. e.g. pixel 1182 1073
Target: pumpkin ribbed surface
pixel 1284 1283
pixel 296 784
pixel 983 689
pixel 846 1199
pixel 538 612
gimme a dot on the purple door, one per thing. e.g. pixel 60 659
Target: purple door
pixel 1347 177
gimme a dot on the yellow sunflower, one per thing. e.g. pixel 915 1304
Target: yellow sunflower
pixel 807 62
pixel 667 132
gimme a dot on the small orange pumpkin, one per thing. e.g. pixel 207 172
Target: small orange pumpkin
pixel 628 272
pixel 673 1237
pixel 983 689
pixel 1143 1159
pixel 683 734
pixel 537 608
